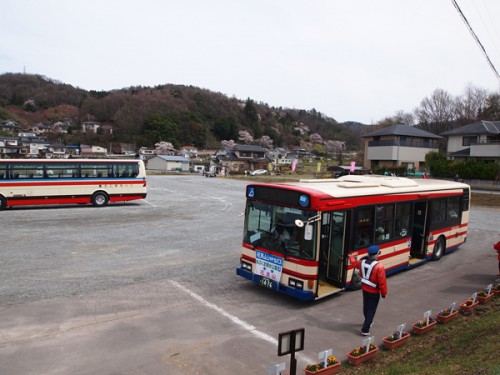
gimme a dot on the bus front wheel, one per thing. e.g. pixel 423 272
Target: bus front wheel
pixel 3 203
pixel 439 247
pixel 100 199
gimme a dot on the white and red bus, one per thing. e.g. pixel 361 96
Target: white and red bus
pixel 68 181
pixel 297 236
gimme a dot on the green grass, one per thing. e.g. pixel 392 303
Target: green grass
pixel 465 345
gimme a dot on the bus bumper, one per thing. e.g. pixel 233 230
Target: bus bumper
pixel 295 293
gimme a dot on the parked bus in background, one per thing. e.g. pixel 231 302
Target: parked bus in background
pixel 412 221
pixel 68 181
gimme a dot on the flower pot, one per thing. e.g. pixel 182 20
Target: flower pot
pixel 468 309
pixel 496 291
pixel 391 345
pixel 421 330
pixel 333 369
pixel 446 318
pixel 484 299
pixel 356 361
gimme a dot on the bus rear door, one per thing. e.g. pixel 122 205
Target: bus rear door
pixel 419 233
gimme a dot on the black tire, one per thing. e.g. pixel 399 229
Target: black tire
pixel 3 202
pixel 439 248
pixel 100 199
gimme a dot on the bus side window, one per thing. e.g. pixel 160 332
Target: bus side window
pixel 364 227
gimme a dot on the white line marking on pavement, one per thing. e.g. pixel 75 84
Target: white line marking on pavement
pixel 223 312
pixel 247 326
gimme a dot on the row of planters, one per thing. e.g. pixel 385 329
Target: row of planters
pixel 368 350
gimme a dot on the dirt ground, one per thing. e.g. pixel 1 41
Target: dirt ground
pixel 485 199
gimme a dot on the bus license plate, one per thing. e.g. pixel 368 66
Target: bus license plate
pixel 264 281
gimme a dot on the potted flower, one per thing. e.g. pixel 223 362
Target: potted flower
pixel 483 296
pixel 394 340
pixel 496 289
pixel 424 325
pixel 446 315
pixel 468 305
pixel 332 367
pixel 362 354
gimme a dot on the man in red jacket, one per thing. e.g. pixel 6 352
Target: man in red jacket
pixel 497 248
pixel 373 283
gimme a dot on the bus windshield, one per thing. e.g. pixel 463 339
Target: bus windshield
pixel 273 227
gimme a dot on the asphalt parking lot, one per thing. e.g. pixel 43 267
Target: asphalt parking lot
pixel 149 287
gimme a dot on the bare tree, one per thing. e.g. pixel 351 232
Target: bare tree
pixel 406 118
pixel 436 114
pixel 468 107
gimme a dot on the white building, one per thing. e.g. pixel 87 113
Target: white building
pixel 166 163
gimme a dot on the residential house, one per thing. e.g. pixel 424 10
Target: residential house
pixel 40 129
pixel 479 140
pixel 9 126
pixel 56 151
pixel 189 152
pixel 10 147
pixel 166 163
pixel 239 159
pixel 87 151
pixel 399 145
pixel 90 127
pixel 146 154
pixel 31 145
pixel 73 150
pixel 280 156
pixel 60 127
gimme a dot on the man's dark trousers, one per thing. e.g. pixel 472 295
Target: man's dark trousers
pixel 370 303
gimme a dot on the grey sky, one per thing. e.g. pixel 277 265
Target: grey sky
pixel 359 60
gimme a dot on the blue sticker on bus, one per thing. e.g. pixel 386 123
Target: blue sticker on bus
pixel 251 192
pixel 304 201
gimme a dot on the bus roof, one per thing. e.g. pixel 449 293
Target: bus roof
pixel 366 188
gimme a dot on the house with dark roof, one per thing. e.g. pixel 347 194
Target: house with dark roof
pixel 397 146
pixel 9 126
pixel 479 140
pixel 239 159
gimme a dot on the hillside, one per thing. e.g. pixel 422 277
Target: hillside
pixel 182 115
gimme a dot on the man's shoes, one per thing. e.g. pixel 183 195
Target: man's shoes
pixel 365 333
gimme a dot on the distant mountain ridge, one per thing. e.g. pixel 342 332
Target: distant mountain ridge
pixel 182 115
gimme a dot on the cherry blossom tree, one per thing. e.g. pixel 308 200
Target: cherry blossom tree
pixel 245 137
pixel 229 143
pixel 164 148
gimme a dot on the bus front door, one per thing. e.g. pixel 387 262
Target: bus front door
pixel 332 265
pixel 418 237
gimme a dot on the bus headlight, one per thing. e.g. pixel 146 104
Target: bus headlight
pixel 298 284
pixel 246 266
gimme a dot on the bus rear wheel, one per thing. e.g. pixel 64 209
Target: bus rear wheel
pixel 100 199
pixel 439 247
pixel 3 203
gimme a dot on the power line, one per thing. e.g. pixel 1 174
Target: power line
pixel 476 38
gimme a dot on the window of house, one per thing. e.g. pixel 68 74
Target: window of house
pixel 468 140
